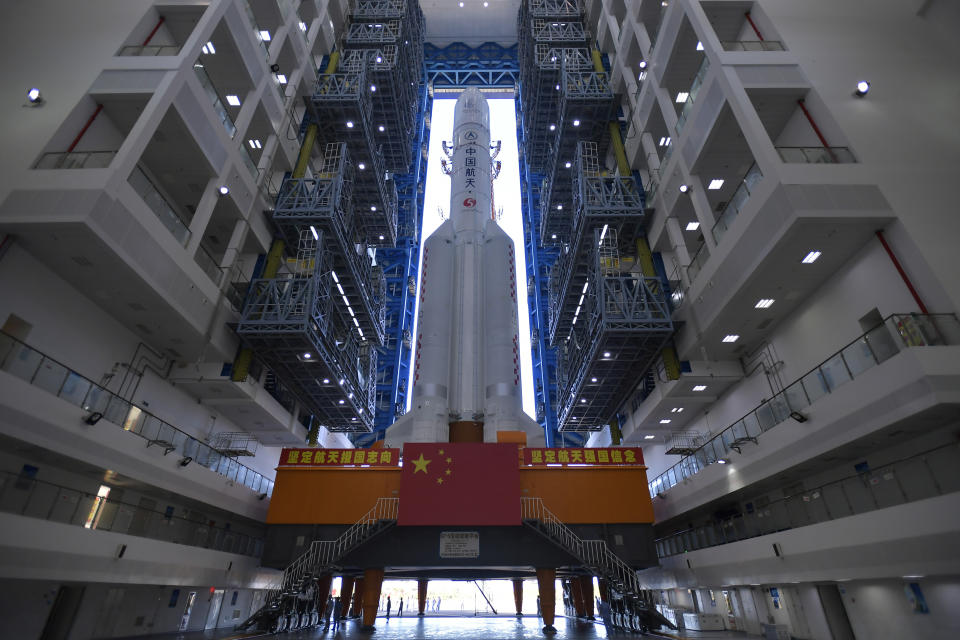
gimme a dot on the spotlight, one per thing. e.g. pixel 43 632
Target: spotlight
pixel 721 461
pixel 224 190
pixel 684 188
pixel 799 417
pixel 275 68
pixel 34 96
pixel 862 88
pixel 643 64
pixel 185 461
pixel 93 418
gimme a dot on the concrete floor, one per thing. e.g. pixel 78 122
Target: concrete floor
pixel 455 628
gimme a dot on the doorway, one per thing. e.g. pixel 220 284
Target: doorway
pixel 835 612
pixel 213 614
pixel 187 610
pixel 62 613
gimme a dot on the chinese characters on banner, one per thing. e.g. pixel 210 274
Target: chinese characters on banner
pixel 340 457
pixel 619 456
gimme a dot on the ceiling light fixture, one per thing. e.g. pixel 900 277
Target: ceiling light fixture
pixel 606 354
pixel 265 35
pixel 208 48
pixel 732 337
pixel 649 437
pixel 316 236
pixel 307 356
pixel 282 79
pixel 349 124
pixel 361 166
pixel 381 128
pixel 576 123
pixel 682 97
pixel 699 46
pixel 764 303
pixel 665 421
pixel 224 190
pixel 684 188
pixel 862 88
pixel 811 257
pixel 715 184
pixel 233 101
pixel 34 97
pixel 700 387
pixel 567 165
pixel 593 379
pixel 553 127
pixel 643 64
pixel 693 226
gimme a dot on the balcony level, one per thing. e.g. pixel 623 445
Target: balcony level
pixel 896 381
pixel 101 429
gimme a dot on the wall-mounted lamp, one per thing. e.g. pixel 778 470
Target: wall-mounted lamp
pixel 799 417
pixel 684 188
pixel 275 68
pixel 185 461
pixel 862 88
pixel 34 99
pixel 93 418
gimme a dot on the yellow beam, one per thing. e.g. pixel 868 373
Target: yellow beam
pixel 615 138
pixel 241 366
pixel 274 260
pixel 645 258
pixel 333 63
pixel 309 138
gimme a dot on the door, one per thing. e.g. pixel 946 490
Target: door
pixel 835 612
pixel 109 612
pixel 62 613
pixel 213 614
pixel 187 610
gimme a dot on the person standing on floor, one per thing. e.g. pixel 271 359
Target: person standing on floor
pixel 336 613
pixel 400 608
pixel 327 611
pixel 389 604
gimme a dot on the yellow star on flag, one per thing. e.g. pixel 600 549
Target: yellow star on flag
pixel 420 464
pixel 439 480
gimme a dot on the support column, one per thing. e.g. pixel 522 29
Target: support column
pixel 577 595
pixel 323 593
pixel 586 591
pixel 346 594
pixel 357 598
pixel 546 579
pixel 518 595
pixel 370 599
pixel 421 596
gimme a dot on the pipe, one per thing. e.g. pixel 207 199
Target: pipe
pixel 90 120
pixel 154 32
pixel 816 129
pixel 903 274
pixel 755 30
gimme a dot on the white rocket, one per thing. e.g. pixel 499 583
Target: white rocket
pixel 466 375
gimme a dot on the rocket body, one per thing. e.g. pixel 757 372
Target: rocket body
pixel 467 364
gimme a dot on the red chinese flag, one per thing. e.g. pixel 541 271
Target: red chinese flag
pixel 462 483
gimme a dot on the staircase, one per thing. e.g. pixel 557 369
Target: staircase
pixel 596 556
pixel 292 603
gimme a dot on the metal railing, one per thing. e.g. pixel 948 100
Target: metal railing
pixel 696 263
pixel 26 363
pixel 592 553
pixel 159 205
pixel 737 202
pixel 926 475
pixel 209 265
pixel 150 50
pixel 816 155
pixel 75 160
pixel 692 94
pixel 324 553
pixel 898 331
pixel 752 45
pixel 214 97
pixel 47 501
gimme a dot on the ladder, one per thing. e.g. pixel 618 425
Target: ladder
pixel 596 556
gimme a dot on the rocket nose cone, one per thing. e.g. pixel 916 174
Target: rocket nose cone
pixel 472 107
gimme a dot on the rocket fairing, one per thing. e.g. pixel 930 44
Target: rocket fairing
pixel 467 365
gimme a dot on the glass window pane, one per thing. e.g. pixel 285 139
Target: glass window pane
pixel 858 357
pixel 814 385
pixel 834 372
pixel 23 362
pixel 75 389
